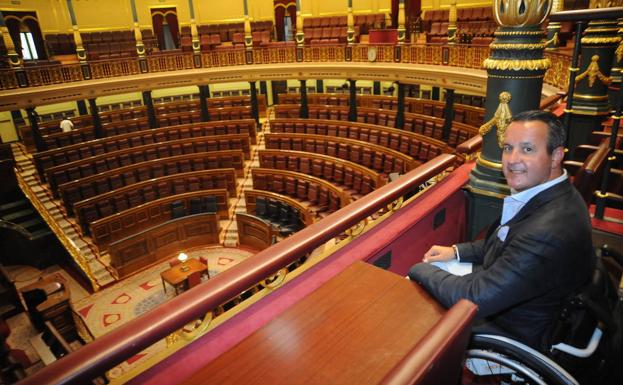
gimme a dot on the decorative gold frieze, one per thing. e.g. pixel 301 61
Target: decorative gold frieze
pixel 593 72
pixel 516 65
pixel 601 40
pixel 500 119
pixel 510 46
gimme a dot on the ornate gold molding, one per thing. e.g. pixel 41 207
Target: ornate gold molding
pixel 593 72
pixel 488 163
pixel 515 33
pixel 517 65
pixel 500 119
pixel 601 40
pixel 519 46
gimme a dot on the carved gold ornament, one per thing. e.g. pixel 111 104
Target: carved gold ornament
pixel 500 119
pixel 516 65
pixel 520 13
pixel 619 51
pixel 593 72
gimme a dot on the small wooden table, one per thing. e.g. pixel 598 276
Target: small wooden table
pixel 175 276
pixel 352 330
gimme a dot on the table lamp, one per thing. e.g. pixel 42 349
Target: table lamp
pixel 182 258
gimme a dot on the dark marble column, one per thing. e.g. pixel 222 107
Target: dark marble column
pixel 97 122
pixel 151 112
pixel 352 101
pixel 204 95
pixel 254 107
pixel 304 109
pixel 33 118
pixel 400 114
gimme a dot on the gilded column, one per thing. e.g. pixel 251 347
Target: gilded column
pixel 80 51
pixel 193 29
pixel 515 70
pixel 350 24
pixel 15 61
pixel 248 37
pixel 590 99
pixel 300 33
pixel 401 22
pixel 138 36
pixel 452 18
pixel 553 27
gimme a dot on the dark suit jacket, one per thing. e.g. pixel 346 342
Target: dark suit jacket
pixel 521 281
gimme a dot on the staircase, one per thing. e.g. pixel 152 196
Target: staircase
pixel 24 218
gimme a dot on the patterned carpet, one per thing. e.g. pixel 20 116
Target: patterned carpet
pixel 113 306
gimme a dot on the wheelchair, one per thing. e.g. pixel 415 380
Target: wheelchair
pixel 588 340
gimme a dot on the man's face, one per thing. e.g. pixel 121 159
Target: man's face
pixel 525 160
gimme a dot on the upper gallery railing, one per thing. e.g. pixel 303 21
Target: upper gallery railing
pixel 464 56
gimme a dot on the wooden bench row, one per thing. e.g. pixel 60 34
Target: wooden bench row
pixel 422 124
pixel 306 216
pixel 220 102
pixel 417 146
pixel 81 168
pixel 46 159
pixel 470 115
pixel 320 195
pixel 350 176
pixel 133 220
pixel 103 205
pixel 159 242
pixel 103 182
pixel 378 158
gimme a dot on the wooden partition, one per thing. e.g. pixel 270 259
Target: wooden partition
pixel 352 177
pixel 164 241
pixel 106 181
pixel 250 197
pixel 46 159
pixel 58 175
pixel 135 219
pixel 104 205
pixel 322 196
pixel 378 158
pixel 463 113
pixel 254 232
pixel 417 146
pixel 419 123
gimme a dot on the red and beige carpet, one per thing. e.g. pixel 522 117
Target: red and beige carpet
pixel 113 306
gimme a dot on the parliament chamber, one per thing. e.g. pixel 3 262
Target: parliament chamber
pixel 330 144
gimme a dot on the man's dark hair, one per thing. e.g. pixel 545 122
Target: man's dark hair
pixel 556 135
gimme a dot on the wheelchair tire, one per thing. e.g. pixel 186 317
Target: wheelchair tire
pixel 520 363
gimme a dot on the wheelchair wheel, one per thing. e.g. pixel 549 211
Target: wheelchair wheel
pixel 495 359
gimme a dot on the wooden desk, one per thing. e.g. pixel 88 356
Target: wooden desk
pixel 174 276
pixel 352 330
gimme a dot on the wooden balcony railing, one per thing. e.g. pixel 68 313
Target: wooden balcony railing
pixel 127 340
pixel 464 56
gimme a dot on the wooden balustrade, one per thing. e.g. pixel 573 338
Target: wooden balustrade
pixel 254 232
pixel 350 176
pixel 157 243
pixel 324 197
pixel 103 182
pixel 106 204
pixel 470 115
pixel 133 220
pixel 250 198
pixel 67 172
pixel 417 146
pixel 379 158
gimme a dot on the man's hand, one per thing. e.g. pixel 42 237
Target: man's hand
pixel 439 253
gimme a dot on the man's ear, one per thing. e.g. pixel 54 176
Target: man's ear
pixel 557 156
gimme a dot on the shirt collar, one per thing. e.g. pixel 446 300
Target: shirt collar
pixel 526 195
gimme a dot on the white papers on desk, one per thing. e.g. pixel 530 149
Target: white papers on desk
pixel 454 267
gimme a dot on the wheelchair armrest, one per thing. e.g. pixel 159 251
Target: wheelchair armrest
pixel 593 343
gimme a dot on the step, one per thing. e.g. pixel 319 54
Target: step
pixel 14 216
pixel 40 233
pixel 13 205
pixel 30 223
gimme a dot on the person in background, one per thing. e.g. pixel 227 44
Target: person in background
pixel 538 254
pixel 66 124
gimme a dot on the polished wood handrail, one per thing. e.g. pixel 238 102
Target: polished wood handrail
pixel 123 342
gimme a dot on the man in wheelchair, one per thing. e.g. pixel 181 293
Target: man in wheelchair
pixel 535 258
